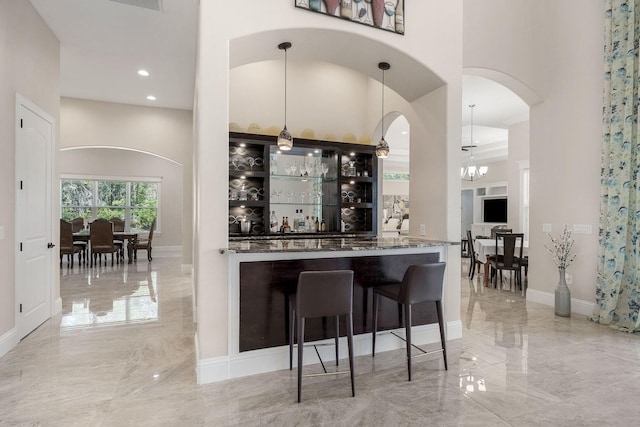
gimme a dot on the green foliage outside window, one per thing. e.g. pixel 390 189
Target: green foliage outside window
pixel 77 200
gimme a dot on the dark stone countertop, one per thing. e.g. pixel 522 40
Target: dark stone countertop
pixel 330 244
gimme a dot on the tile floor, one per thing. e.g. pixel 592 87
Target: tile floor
pixel 121 354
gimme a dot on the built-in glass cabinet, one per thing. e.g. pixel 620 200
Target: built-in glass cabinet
pixel 317 187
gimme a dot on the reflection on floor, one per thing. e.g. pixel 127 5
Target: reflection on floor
pixel 122 353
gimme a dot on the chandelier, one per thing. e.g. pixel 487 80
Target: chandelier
pixel 472 172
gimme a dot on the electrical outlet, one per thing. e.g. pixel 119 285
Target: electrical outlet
pixel 569 278
pixel 546 228
pixel 423 230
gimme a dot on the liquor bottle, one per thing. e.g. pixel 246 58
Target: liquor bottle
pixel 274 222
pixel 286 227
pixel 317 225
pixel 307 224
pixel 282 225
pixel 323 225
pixel 301 224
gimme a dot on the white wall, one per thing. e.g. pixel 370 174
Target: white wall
pixel 165 132
pixel 126 163
pixel 553 50
pixel 29 65
pixel 435 43
pixel 518 158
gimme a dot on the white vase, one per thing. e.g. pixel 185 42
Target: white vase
pixel 563 296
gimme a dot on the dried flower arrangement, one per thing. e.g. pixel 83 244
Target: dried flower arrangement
pixel 561 250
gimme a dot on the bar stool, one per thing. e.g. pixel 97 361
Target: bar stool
pixel 321 294
pixel 421 283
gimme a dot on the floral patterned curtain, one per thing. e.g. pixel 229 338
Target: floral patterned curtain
pixel 618 285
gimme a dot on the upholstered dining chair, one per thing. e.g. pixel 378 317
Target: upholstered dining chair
pixel 421 283
pixel 67 247
pixel 321 294
pixel 101 238
pixel 144 243
pixel 77 224
pixel 118 226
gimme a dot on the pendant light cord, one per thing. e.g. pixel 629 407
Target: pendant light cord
pixel 285 88
pixel 383 104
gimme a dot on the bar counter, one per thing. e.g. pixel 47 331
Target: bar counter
pixel 263 273
pixel 331 244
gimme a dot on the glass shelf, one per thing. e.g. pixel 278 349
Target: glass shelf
pixel 302 204
pixel 302 178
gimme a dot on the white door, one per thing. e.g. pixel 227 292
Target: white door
pixel 34 277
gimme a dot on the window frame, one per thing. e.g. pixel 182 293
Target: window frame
pixel 95 179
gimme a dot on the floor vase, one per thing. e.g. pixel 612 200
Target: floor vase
pixel 563 296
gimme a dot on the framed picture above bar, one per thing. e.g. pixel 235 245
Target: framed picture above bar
pixel 386 15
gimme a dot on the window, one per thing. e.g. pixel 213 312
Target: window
pixel 134 201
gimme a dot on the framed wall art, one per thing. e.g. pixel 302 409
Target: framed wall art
pixel 386 15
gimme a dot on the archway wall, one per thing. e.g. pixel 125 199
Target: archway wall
pixel 550 54
pixel 233 34
pixel 164 132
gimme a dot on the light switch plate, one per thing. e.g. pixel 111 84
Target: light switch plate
pixel 423 230
pixel 582 229
pixel 546 228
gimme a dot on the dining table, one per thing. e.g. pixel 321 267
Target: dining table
pixel 484 248
pixel 129 236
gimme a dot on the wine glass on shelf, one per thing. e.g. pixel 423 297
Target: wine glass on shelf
pixel 366 15
pixel 251 161
pixel 325 169
pixel 303 194
pixel 289 195
pixel 278 193
pixel 235 162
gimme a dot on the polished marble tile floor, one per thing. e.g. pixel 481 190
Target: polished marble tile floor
pixel 121 353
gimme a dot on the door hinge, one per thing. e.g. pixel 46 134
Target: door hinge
pixel 20 123
pixel 20 246
pixel 20 308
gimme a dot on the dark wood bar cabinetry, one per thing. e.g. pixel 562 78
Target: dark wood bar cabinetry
pixel 331 182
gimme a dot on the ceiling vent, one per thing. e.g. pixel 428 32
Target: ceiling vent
pixel 145 4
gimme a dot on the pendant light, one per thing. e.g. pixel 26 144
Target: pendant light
pixel 472 172
pixel 285 141
pixel 382 149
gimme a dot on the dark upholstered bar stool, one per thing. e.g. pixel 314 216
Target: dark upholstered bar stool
pixel 321 294
pixel 421 283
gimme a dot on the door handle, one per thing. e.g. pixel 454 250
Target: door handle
pixel 50 245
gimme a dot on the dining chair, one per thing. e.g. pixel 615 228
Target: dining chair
pixel 101 238
pixel 67 246
pixel 509 258
pixel 475 262
pixel 77 225
pixel 321 294
pixel 421 283
pixel 144 243
pixel 118 226
pixel 499 229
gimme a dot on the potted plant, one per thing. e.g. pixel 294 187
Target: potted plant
pixel 562 256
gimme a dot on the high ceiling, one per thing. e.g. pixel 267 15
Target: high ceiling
pixel 103 43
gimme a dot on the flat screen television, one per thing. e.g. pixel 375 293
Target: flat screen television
pixel 494 210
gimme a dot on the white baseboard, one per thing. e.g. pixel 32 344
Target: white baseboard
pixel 578 306
pixel 8 341
pixel 166 251
pixel 57 306
pixel 277 358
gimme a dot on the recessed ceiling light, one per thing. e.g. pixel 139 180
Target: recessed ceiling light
pixel 404 132
pixel 242 144
pixel 151 98
pixel 143 73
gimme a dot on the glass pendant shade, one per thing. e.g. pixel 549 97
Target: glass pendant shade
pixel 382 149
pixel 285 141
